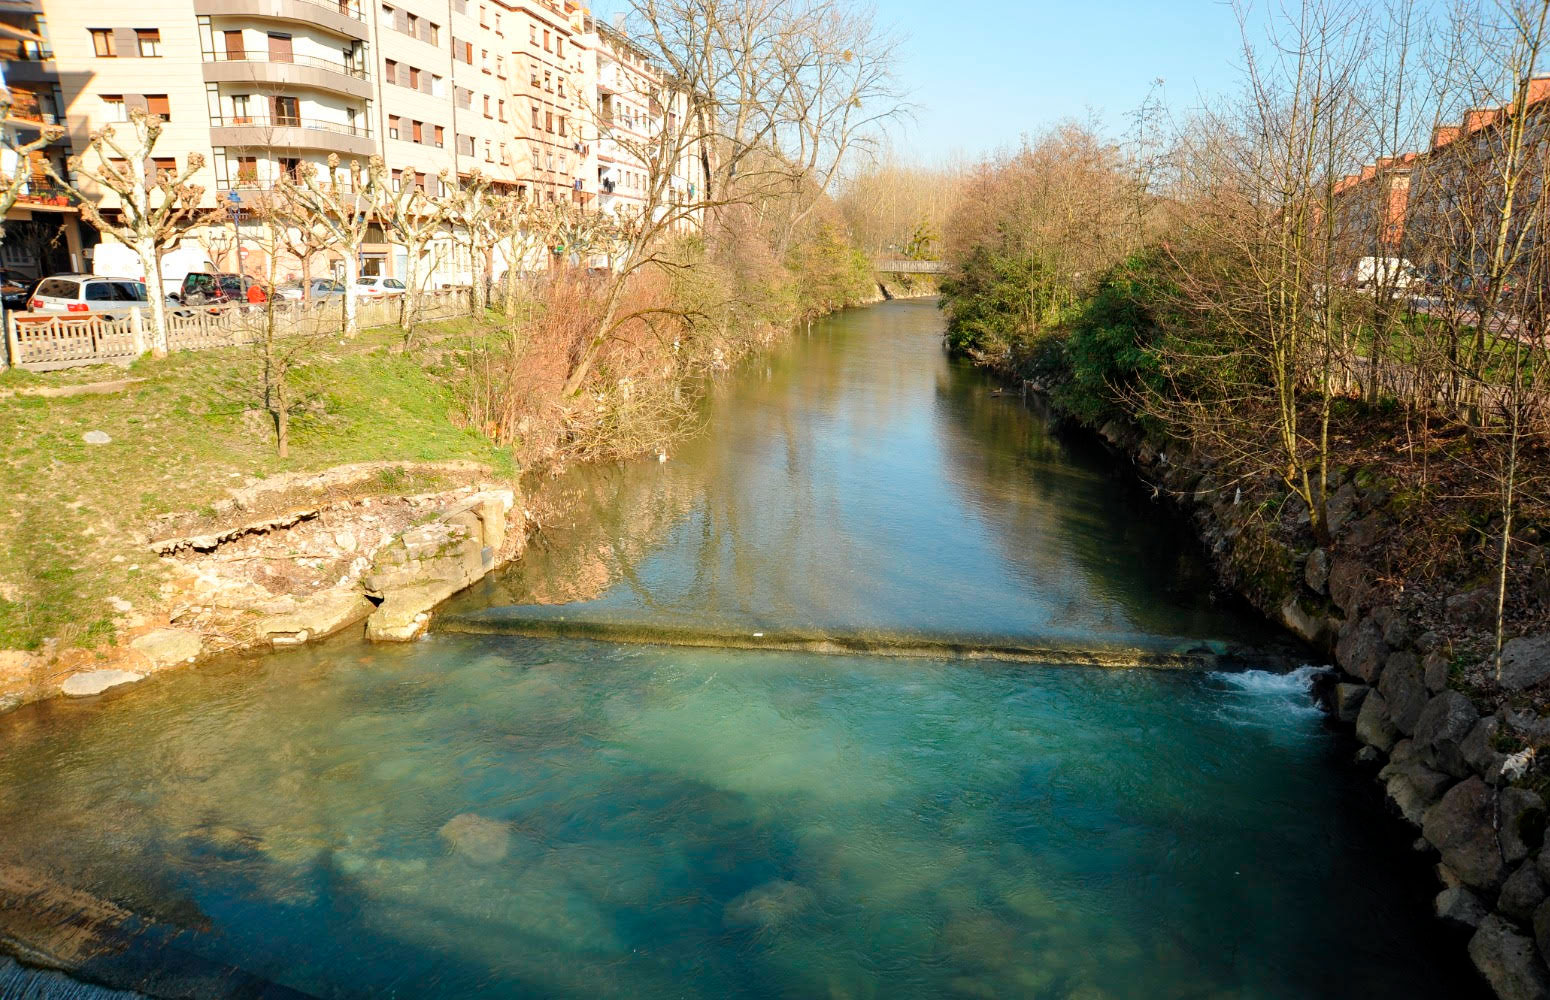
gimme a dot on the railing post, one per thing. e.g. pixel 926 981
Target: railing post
pixel 137 332
pixel 13 352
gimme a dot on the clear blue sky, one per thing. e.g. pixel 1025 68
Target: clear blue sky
pixel 985 73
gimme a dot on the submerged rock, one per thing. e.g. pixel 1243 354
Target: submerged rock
pixel 478 838
pixel 769 905
pixel 97 681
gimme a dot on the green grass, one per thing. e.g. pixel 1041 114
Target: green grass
pixel 74 517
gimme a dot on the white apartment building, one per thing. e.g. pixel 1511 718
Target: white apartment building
pixel 528 93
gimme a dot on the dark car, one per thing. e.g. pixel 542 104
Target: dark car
pixel 212 288
pixel 15 288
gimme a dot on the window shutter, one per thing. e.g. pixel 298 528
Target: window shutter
pixel 126 42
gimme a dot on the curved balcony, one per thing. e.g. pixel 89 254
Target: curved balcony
pixel 342 18
pixel 291 71
pixel 300 133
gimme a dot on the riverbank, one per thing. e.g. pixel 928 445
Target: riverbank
pixel 1454 747
pixel 151 524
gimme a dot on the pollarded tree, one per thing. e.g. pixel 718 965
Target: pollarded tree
pixel 340 204
pixel 411 218
pixel 474 212
pixel 156 207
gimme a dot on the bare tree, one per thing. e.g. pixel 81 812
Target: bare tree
pixel 14 176
pixel 155 207
pixel 411 219
pixel 340 205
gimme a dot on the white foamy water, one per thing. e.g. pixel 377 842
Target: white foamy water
pixel 1267 698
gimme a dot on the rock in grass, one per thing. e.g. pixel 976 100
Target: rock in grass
pixel 1525 661
pixel 96 437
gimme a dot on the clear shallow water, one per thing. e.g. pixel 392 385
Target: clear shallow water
pixel 505 817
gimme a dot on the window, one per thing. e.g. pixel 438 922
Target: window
pixel 164 165
pixel 287 111
pixel 487 157
pixel 414 78
pixel 113 109
pixel 419 131
pixel 548 81
pixel 433 32
pixel 487 105
pixel 468 53
pixel 500 110
pixel 102 42
pixel 247 169
pixel 546 41
pixel 500 66
pixel 484 60
pixel 498 24
pixel 484 16
pixel 413 24
pixel 532 33
pixel 394 122
pixel 239 110
pixel 548 121
pixel 559 47
pixel 438 88
pixel 562 86
pixel 149 41
pixel 419 182
pixel 390 70
pixel 439 136
pixel 398 179
pixel 280 47
pixel 156 105
pixel 537 121
pixel 562 124
pixel 234 49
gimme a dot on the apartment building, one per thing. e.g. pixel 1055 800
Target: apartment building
pixel 43 230
pixel 531 94
pixel 635 102
pixel 1438 207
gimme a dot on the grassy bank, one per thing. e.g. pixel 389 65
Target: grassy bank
pixel 185 432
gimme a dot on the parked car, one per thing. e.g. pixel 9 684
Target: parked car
pixel 89 294
pixel 16 301
pixel 321 288
pixel 375 286
pixel 15 287
pixel 213 288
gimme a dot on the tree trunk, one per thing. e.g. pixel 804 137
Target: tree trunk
pixel 352 269
pixel 156 297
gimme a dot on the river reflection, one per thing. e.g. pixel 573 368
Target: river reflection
pixel 861 480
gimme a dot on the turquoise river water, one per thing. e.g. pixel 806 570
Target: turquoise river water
pixel 483 815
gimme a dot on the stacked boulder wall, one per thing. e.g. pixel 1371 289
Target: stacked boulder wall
pixel 430 562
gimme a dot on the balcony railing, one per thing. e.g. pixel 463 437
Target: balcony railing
pixel 288 121
pixel 313 62
pixel 43 191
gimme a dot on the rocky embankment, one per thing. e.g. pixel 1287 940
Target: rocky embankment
pixel 1454 746
pixel 291 560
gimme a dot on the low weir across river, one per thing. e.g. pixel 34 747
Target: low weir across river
pixel 823 705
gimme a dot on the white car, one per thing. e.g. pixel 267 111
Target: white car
pixel 322 288
pixel 80 296
pixel 375 286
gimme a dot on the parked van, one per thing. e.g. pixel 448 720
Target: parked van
pixel 85 295
pixel 1390 272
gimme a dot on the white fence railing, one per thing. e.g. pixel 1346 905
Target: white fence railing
pixel 49 341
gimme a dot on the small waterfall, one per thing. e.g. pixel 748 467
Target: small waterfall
pixel 20 983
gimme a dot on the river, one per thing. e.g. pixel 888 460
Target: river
pixel 515 816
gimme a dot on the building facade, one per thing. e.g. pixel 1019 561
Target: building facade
pixel 531 94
